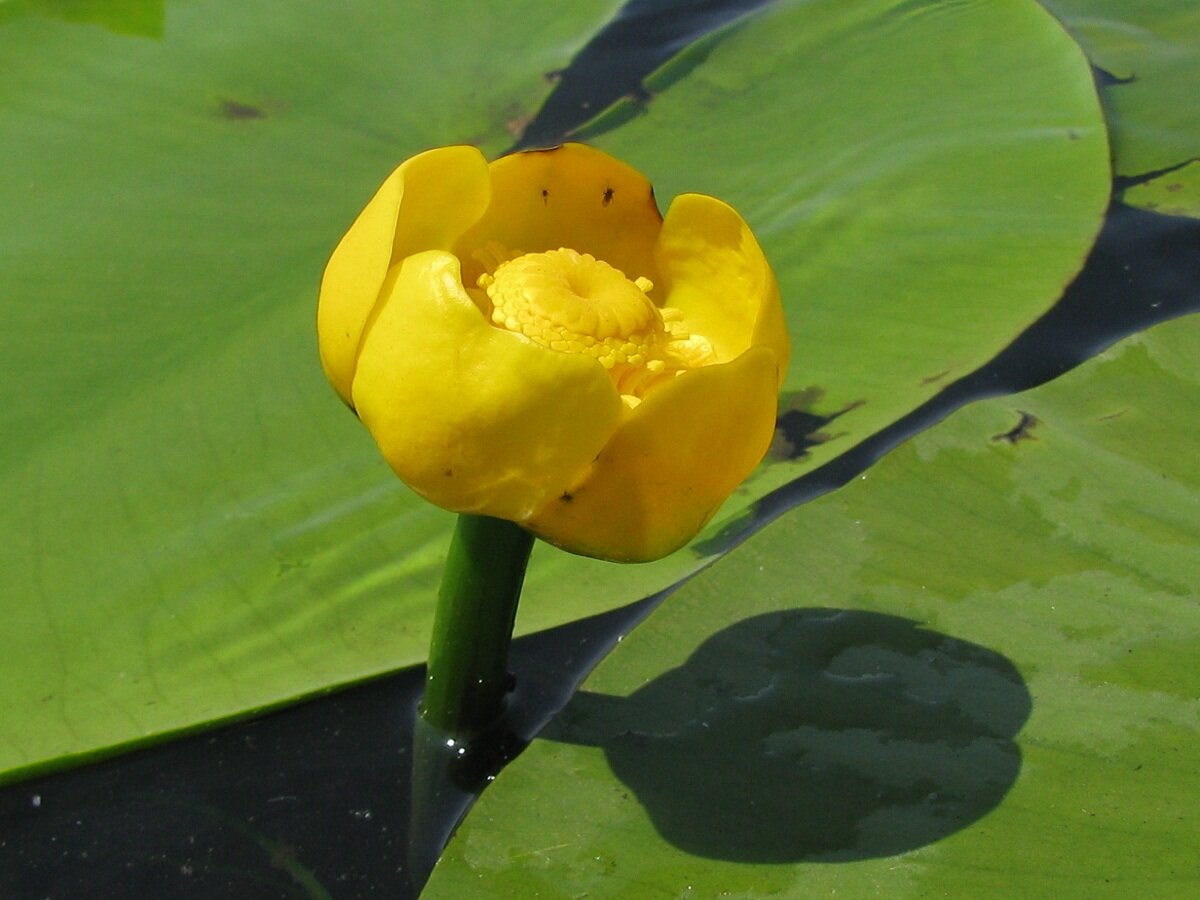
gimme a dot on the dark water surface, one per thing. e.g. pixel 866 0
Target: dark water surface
pixel 315 801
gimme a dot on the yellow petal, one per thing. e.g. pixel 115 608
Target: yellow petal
pixel 712 270
pixel 474 418
pixel 425 204
pixel 572 196
pixel 678 456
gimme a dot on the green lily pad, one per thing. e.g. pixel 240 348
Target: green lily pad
pixel 195 528
pixel 1152 50
pixel 970 673
pixel 136 17
pixel 1174 193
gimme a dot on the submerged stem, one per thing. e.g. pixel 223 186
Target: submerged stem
pixel 477 604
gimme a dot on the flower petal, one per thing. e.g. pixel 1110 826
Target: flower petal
pixel 571 196
pixel 473 418
pixel 712 270
pixel 425 204
pixel 671 464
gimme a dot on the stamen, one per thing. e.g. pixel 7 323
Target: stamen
pixel 571 302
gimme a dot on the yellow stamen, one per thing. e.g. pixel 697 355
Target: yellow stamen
pixel 572 302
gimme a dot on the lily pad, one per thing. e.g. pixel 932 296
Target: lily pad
pixel 195 528
pixel 1150 54
pixel 1174 193
pixel 138 17
pixel 973 676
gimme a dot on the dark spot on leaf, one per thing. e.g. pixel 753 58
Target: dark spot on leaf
pixel 1022 431
pixel 608 195
pixel 1173 187
pixel 795 432
pixel 286 566
pixel 936 377
pixel 1072 134
pixel 1116 415
pixel 1105 78
pixel 800 427
pixel 232 109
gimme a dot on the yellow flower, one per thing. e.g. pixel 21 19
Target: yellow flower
pixel 532 340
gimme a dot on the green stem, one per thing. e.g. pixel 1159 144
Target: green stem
pixel 468 657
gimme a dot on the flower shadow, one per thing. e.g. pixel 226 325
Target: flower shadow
pixel 814 734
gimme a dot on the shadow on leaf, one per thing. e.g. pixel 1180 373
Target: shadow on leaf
pixel 814 734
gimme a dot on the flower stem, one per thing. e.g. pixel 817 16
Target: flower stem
pixel 467 674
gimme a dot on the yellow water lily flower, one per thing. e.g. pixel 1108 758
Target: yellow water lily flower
pixel 532 340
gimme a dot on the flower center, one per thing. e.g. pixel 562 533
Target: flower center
pixel 574 303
